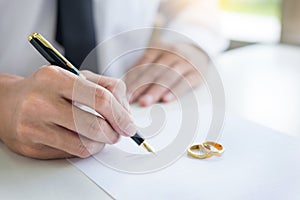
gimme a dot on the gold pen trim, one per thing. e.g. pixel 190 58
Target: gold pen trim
pixel 148 147
pixel 48 45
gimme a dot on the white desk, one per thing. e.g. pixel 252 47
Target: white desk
pixel 262 84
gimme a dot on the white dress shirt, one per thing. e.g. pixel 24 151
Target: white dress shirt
pixel 115 21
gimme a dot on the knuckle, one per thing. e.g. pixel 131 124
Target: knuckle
pixel 149 55
pixel 184 62
pixel 88 74
pixel 28 133
pixel 119 120
pixel 32 107
pixel 46 73
pixel 103 98
pixel 85 71
pixel 119 86
pixel 181 67
pixel 24 131
pixel 110 136
pixel 31 102
pixel 20 132
pixel 94 127
pixel 173 48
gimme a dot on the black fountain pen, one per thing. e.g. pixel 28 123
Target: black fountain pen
pixel 56 58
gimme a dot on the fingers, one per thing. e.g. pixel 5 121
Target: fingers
pixel 56 142
pixel 148 57
pixel 86 124
pixel 191 80
pixel 116 86
pixel 171 75
pixel 161 70
pixel 144 82
pixel 103 101
pixel 46 124
pixel 151 85
pixel 152 71
pixel 40 151
pixel 90 94
pixel 67 141
pixel 167 72
pixel 157 90
pixel 96 97
pixel 141 74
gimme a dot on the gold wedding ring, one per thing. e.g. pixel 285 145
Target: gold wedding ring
pixel 203 152
pixel 206 150
pixel 214 148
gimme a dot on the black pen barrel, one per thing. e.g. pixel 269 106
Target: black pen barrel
pixel 50 55
pixel 137 138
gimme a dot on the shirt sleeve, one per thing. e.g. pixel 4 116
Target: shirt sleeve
pixel 197 20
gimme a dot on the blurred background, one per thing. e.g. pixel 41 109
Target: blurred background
pixel 260 21
pixel 268 76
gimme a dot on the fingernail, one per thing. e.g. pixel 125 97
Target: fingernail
pixel 147 99
pixel 130 129
pixel 169 97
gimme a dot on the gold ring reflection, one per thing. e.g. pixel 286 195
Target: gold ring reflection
pixel 214 148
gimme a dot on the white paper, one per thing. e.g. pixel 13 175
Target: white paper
pixel 258 163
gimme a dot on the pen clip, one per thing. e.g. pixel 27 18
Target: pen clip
pixel 47 44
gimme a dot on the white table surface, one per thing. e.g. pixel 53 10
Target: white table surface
pixel 262 84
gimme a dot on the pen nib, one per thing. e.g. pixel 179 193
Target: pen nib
pixel 148 148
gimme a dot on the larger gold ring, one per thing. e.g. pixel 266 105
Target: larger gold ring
pixel 214 148
pixel 203 152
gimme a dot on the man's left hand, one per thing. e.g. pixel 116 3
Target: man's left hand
pixel 162 74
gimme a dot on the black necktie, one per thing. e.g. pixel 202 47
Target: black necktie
pixel 76 32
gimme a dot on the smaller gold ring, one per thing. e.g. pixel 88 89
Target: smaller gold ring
pixel 214 148
pixel 204 152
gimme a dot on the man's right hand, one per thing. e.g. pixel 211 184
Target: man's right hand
pixel 39 120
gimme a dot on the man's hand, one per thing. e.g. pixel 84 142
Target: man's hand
pixel 39 120
pixel 163 73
